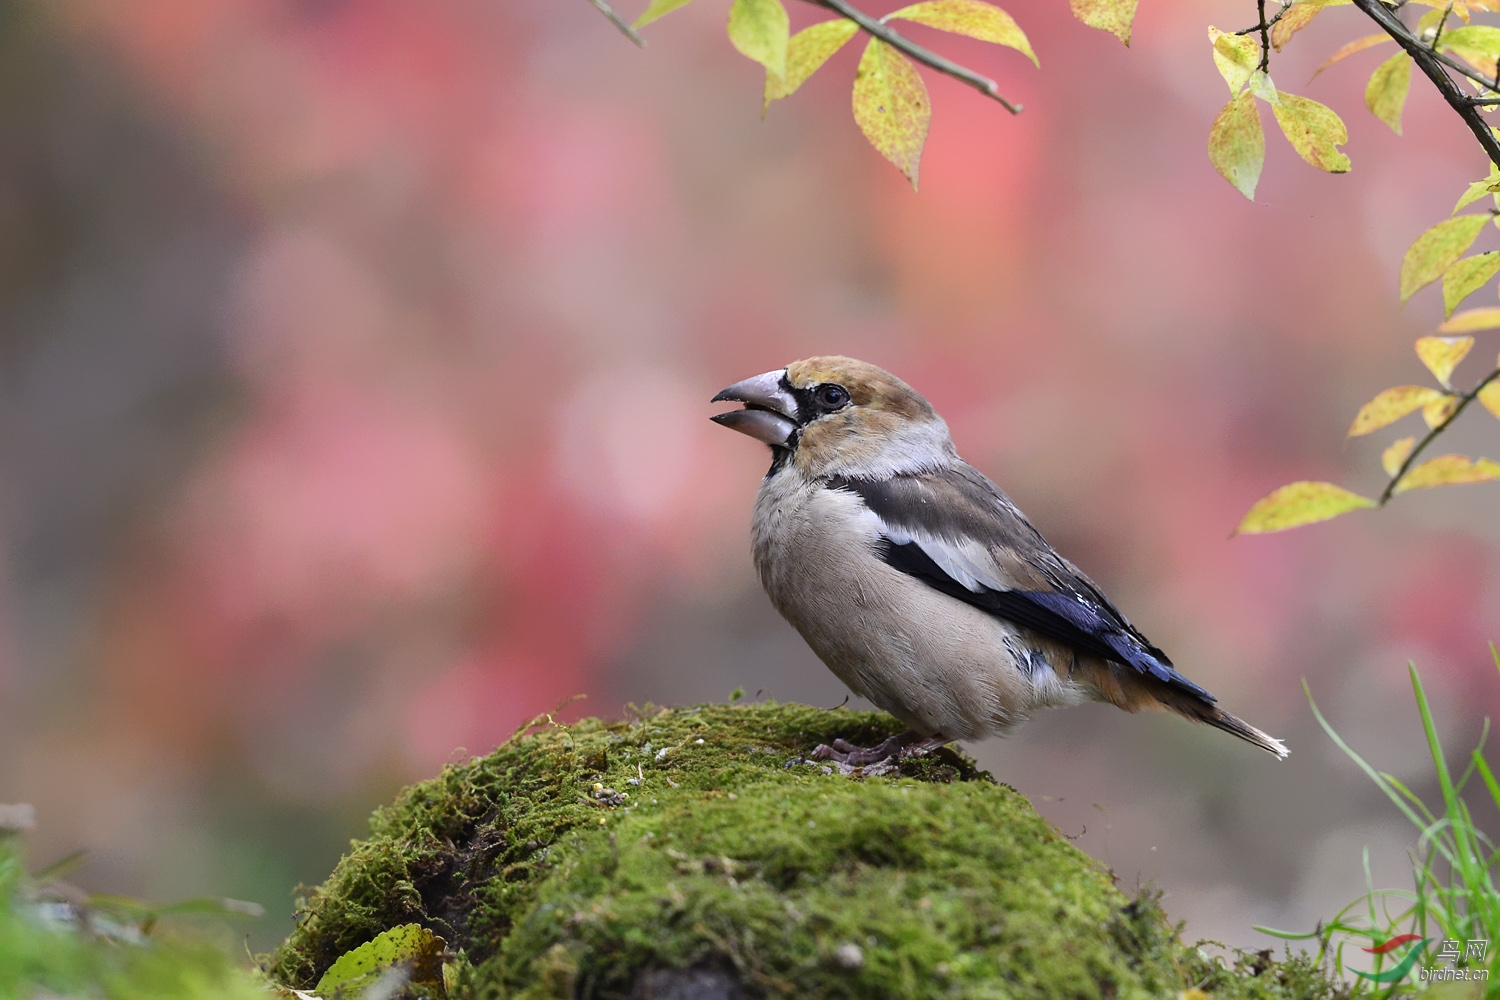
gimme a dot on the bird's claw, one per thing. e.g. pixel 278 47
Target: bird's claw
pixel 884 758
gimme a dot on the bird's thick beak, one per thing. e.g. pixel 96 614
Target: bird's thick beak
pixel 770 412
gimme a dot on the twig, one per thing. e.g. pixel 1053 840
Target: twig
pixel 619 22
pixel 1463 401
pixel 932 60
pixel 1432 64
pixel 1265 37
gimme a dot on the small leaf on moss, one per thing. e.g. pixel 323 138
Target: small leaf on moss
pixel 1237 144
pixel 1391 405
pixel 1314 131
pixel 1113 16
pixel 1297 504
pixel 1448 470
pixel 1442 354
pixel 983 21
pixel 1385 94
pixel 806 51
pixel 410 945
pixel 1434 251
pixel 1392 457
pixel 891 107
pixel 759 30
pixel 1463 278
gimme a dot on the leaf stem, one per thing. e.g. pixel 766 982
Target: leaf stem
pixel 1432 63
pixel 932 60
pixel 619 22
pixel 1464 400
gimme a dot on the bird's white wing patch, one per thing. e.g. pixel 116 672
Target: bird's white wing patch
pixel 966 560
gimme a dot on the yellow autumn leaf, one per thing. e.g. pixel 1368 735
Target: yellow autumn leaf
pixel 1237 56
pixel 807 50
pixel 1448 470
pixel 656 9
pixel 1358 45
pixel 759 29
pixel 1392 457
pixel 409 945
pixel 1391 405
pixel 1237 145
pixel 1478 189
pixel 1113 16
pixel 1299 503
pixel 1489 398
pixel 1472 320
pixel 1434 251
pixel 1385 94
pixel 1439 409
pixel 1464 276
pixel 1294 20
pixel 983 21
pixel 1442 354
pixel 1314 132
pixel 1481 39
pixel 891 106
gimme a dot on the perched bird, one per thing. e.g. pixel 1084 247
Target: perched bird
pixel 918 582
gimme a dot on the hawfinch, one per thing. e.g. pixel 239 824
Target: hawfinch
pixel 918 582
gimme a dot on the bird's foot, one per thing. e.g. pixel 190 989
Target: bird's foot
pixel 883 758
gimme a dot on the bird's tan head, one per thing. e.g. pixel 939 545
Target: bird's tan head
pixel 837 416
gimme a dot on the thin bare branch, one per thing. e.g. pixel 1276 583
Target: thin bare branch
pixel 1432 63
pixel 931 60
pixel 1432 435
pixel 619 22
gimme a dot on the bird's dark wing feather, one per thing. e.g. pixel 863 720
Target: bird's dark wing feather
pixel 955 531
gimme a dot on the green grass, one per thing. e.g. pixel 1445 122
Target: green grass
pixel 1454 895
pixel 59 942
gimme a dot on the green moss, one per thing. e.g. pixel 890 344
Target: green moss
pixel 733 858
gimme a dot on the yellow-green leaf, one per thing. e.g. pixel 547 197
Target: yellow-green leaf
pixel 891 106
pixel 1391 405
pixel 411 945
pixel 1442 354
pixel 1294 20
pixel 1237 56
pixel 759 29
pixel 1385 94
pixel 1472 320
pixel 1358 45
pixel 1489 398
pixel 1262 87
pixel 1314 132
pixel 983 21
pixel 1392 457
pixel 1297 504
pixel 1448 470
pixel 1480 39
pixel 656 9
pixel 1439 409
pixel 1236 144
pixel 1464 276
pixel 807 50
pixel 1478 189
pixel 1113 16
pixel 1435 250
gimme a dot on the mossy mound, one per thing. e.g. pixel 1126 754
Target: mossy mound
pixel 695 852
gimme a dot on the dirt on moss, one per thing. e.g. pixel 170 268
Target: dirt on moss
pixel 698 853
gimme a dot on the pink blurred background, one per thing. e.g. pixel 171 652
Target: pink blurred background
pixel 356 361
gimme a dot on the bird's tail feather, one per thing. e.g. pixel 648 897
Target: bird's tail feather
pixel 1201 711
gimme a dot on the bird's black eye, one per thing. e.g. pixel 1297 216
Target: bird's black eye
pixel 832 397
